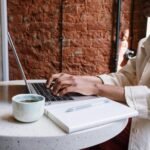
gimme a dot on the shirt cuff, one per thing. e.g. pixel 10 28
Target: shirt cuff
pixel 100 79
pixel 106 79
pixel 136 97
pixel 129 97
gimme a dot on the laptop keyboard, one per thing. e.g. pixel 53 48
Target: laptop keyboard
pixel 41 89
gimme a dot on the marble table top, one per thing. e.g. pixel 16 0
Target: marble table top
pixel 44 134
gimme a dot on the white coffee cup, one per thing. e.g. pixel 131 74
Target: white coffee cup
pixel 28 107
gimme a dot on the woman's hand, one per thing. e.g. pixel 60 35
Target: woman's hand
pixel 61 84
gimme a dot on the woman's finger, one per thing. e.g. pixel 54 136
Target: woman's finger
pixel 68 89
pixel 62 83
pixel 52 79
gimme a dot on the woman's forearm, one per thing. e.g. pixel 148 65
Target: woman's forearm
pixel 112 92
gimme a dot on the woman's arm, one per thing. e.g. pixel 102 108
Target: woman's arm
pixel 113 92
pixel 86 85
pixel 126 76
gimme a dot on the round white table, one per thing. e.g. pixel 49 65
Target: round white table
pixel 44 134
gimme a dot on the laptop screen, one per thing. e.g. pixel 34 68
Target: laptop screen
pixel 18 61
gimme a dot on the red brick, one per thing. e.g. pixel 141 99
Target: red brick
pixel 87 32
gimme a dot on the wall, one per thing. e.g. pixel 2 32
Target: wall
pixel 85 31
pixel 33 27
pixel 139 23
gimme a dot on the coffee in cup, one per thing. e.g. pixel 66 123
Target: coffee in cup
pixel 28 107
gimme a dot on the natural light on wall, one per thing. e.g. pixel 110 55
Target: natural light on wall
pixel 148 27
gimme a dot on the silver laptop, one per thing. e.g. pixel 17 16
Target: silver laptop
pixel 40 88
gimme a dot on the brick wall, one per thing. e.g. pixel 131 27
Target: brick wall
pixel 84 32
pixel 139 23
pixel 34 28
pixel 88 36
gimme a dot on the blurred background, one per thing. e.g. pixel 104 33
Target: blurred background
pixel 72 36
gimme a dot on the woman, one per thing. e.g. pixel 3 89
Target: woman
pixel 130 85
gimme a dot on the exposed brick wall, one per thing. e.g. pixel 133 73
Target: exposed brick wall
pixel 34 28
pixel 87 31
pixel 139 23
pixel 88 36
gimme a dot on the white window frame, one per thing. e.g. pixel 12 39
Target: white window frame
pixel 148 27
pixel 4 63
pixel 0 50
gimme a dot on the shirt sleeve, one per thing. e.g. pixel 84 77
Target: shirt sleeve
pixel 137 97
pixel 126 76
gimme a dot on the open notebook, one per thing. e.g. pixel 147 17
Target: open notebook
pixel 79 115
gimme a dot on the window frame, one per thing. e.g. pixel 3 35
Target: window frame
pixel 4 61
pixel 148 27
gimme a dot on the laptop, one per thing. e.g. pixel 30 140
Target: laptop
pixel 40 88
pixel 93 113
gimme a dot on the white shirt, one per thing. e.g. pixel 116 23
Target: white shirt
pixel 135 77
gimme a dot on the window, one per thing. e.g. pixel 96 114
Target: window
pixel 0 50
pixel 4 71
pixel 148 27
